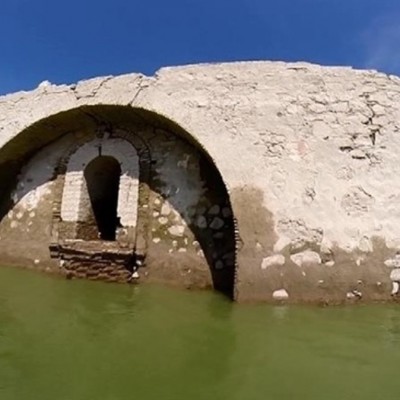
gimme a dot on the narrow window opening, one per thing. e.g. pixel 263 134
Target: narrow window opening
pixel 102 177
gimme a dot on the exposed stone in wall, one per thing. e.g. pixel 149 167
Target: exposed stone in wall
pixel 308 155
pixel 357 201
pixel 191 216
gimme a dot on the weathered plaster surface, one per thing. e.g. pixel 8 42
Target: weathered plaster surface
pixel 309 155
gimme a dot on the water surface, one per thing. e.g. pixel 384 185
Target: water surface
pixel 79 340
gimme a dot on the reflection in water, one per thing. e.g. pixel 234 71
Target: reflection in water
pixel 82 340
pixel 280 312
pixel 212 344
pixel 390 326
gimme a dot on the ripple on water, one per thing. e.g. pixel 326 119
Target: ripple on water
pixel 82 340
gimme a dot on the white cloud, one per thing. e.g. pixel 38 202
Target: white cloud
pixel 382 44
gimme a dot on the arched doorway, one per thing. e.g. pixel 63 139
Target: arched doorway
pixel 102 176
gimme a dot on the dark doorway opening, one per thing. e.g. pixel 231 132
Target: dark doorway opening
pixel 102 178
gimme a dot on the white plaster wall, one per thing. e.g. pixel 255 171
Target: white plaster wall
pixel 35 179
pixel 75 193
pixel 301 133
pixel 25 232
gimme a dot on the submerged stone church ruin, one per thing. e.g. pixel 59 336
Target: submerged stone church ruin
pixel 266 181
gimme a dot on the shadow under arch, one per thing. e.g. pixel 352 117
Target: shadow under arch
pixel 99 118
pixel 102 176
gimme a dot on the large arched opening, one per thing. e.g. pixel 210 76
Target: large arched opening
pixel 178 218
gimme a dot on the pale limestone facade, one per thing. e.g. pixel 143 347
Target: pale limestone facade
pixel 308 156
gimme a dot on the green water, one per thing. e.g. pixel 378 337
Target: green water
pixel 82 340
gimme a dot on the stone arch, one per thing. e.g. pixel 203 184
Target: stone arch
pixel 142 128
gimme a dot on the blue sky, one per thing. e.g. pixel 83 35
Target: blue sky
pixel 64 41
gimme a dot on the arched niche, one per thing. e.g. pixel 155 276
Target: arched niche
pixel 76 207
